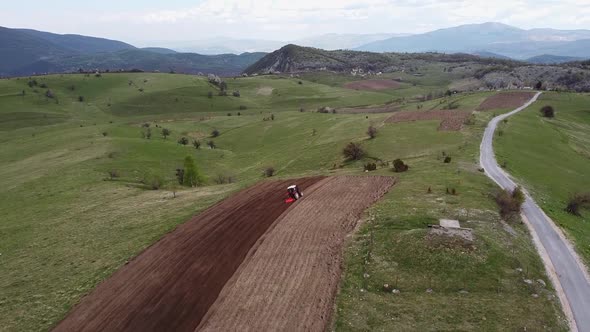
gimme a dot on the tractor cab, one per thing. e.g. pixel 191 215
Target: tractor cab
pixel 294 194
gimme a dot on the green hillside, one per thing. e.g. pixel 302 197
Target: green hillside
pixel 78 173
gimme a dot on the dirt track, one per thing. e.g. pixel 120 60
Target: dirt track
pixel 509 100
pixel 290 280
pixel 172 284
pixel 450 119
pixel 372 85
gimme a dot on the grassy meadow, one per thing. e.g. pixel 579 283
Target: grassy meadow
pixel 551 158
pixel 66 225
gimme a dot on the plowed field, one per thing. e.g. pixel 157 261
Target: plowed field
pixel 449 119
pixel 172 284
pixel 290 281
pixel 508 100
pixel 251 261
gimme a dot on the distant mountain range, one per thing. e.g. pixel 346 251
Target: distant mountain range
pixel 496 38
pixel 27 52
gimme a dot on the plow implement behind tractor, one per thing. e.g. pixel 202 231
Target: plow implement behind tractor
pixel 293 194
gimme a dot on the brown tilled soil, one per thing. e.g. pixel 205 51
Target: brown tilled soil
pixel 171 285
pixel 503 100
pixel 289 280
pixel 372 85
pixel 449 119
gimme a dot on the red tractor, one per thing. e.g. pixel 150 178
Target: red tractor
pixel 293 193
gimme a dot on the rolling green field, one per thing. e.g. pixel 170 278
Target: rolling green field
pixel 551 158
pixel 66 225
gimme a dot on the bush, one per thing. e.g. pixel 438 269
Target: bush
pixel 372 132
pixel 548 111
pixel 229 114
pixel 370 167
pixel 236 93
pixel 399 166
pixel 211 145
pixel 196 144
pixel 447 160
pixel 183 140
pixel 510 203
pixel 104 133
pixel 353 151
pixel 209 94
pixel 223 179
pixel 154 182
pixel 180 175
pixel 191 176
pixel 49 94
pixel 81 99
pixel 113 174
pixel 243 107
pixel 269 171
pixel 577 202
pixel 215 133
pixel 166 132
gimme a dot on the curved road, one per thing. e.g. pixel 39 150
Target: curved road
pixel 554 248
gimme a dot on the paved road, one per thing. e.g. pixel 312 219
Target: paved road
pixel 570 274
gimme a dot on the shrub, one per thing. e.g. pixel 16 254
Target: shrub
pixel 447 159
pixel 196 144
pixel 353 151
pixel 577 202
pixel 509 202
pixel 180 175
pixel 166 132
pixel 228 114
pixel 154 182
pixel 239 113
pixel 146 125
pixel 272 117
pixel 43 86
pixel 269 171
pixel 81 99
pixel 222 179
pixel 243 107
pixel 209 94
pixel 191 176
pixel 399 166
pixel 548 111
pixel 372 132
pixel 104 133
pixel 370 167
pixel 222 93
pixel 236 93
pixel 49 94
pixel 211 145
pixel 183 140
pixel 113 174
pixel 215 133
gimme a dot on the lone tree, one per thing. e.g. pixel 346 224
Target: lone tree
pixel 353 151
pixel 166 132
pixel 548 111
pixel 372 132
pixel 191 176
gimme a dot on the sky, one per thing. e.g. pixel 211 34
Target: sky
pixel 147 21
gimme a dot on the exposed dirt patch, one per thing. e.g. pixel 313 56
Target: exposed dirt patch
pixel 171 285
pixel 372 85
pixel 289 281
pixel 450 119
pixel 265 91
pixel 503 100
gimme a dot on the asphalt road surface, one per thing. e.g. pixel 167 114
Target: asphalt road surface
pixel 571 275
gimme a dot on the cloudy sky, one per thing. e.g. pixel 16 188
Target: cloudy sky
pixel 146 21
